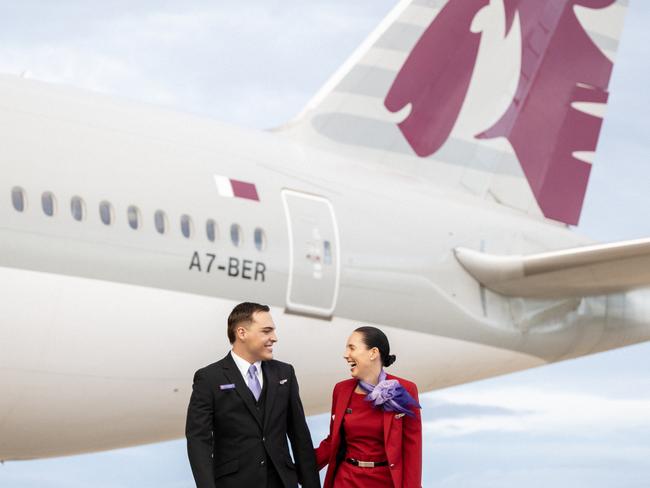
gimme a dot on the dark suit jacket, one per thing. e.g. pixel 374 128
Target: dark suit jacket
pixel 228 443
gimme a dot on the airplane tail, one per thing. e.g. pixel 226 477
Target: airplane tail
pixel 501 98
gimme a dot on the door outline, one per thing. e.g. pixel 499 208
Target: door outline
pixel 301 308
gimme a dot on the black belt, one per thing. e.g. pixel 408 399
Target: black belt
pixel 366 464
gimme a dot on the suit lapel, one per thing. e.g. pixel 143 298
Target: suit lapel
pixel 231 372
pixel 271 388
pixel 342 401
pixel 388 420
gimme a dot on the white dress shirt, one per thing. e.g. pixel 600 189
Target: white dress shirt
pixel 243 366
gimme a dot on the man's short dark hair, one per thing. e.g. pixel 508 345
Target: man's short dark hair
pixel 243 313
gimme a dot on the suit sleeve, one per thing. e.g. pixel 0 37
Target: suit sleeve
pixel 412 447
pixel 324 450
pixel 198 431
pixel 301 443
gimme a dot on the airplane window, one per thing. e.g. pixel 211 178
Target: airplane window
pixel 18 198
pixel 327 252
pixel 236 235
pixel 186 225
pixel 211 230
pixel 48 203
pixel 133 215
pixel 77 208
pixel 260 239
pixel 160 220
pixel 106 212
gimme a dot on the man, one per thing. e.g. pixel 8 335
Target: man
pixel 242 409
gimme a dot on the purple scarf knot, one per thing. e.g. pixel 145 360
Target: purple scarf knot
pixel 389 395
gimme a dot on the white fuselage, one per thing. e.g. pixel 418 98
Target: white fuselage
pixel 102 326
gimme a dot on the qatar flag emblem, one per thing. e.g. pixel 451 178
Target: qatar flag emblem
pixel 227 187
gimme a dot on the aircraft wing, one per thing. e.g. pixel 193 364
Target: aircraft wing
pixel 582 271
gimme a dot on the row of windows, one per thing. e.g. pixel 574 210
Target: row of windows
pixel 134 218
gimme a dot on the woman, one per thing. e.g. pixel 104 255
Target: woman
pixel 375 437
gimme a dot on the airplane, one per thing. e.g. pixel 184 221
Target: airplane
pixel 421 190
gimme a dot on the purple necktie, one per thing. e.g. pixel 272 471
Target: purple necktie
pixel 253 382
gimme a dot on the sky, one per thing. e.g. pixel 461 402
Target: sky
pixel 584 422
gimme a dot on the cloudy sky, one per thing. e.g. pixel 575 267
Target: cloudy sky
pixel 580 423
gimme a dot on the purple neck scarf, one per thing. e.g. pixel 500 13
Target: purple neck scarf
pixel 389 395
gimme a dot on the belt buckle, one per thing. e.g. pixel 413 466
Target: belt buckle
pixel 366 464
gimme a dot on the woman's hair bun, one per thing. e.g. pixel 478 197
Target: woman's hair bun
pixel 390 360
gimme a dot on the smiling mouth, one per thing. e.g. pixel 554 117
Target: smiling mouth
pixel 352 365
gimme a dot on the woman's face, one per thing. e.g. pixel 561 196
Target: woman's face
pixel 362 360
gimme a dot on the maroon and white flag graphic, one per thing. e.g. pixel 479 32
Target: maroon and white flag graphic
pixel 230 188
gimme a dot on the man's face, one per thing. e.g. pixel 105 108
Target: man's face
pixel 258 337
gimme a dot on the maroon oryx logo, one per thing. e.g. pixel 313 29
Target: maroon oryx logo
pixel 560 65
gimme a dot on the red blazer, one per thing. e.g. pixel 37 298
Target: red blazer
pixel 402 438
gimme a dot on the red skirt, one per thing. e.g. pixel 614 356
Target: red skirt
pixel 351 476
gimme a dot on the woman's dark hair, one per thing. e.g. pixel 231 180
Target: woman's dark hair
pixel 373 337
